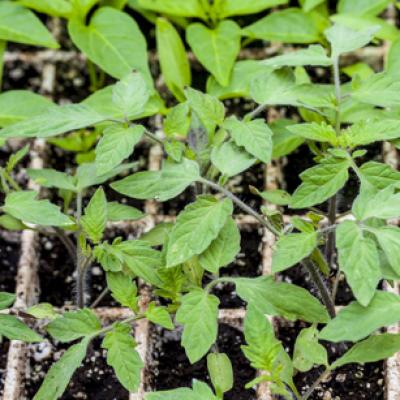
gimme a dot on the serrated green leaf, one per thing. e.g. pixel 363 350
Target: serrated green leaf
pixel 11 111
pixel 162 185
pixel 307 351
pixel 255 136
pixel 231 159
pixel 158 235
pixel 113 41
pixel 375 348
pixel 175 150
pixel 393 59
pixel 321 182
pixel 314 55
pixel 52 178
pixel 198 314
pixel 6 299
pixel 159 315
pixel 23 205
pixel 60 373
pixel 12 328
pixel 43 310
pixel 221 373
pixel 94 220
pixel 216 48
pixel 131 94
pixel 378 174
pixel 123 357
pixel 175 66
pixel 74 325
pixel 355 322
pixel 54 121
pixel 196 227
pixel 291 249
pixel 345 40
pixel 359 260
pixel 122 212
pixel 116 144
pixel 123 289
pixel 313 131
pixel 284 141
pixel 280 299
pixel 177 121
pixel 289 26
pixel 18 24
pixel 223 249
pixel 209 109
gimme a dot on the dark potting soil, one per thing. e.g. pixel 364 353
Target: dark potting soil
pixel 21 75
pixel 350 382
pixel 10 250
pixel 248 263
pixel 172 368
pixel 94 380
pixel 4 346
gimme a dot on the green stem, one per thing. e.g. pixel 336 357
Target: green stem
pixel 80 272
pixel 153 137
pixel 92 76
pixel 3 45
pixel 12 182
pixel 124 321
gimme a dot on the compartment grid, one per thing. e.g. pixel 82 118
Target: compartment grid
pixel 28 279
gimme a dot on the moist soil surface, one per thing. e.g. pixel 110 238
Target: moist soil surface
pixel 171 368
pixel 352 381
pixel 10 248
pixel 94 380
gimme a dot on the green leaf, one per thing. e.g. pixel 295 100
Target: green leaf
pixel 198 314
pixel 159 315
pixel 375 348
pixel 177 121
pixel 313 131
pixel 289 26
pixel 369 131
pixel 313 55
pixel 131 94
pixel 196 227
pixel 231 159
pixel 393 59
pixel 113 41
pixel 388 238
pixel 359 260
pixel 157 235
pixel 379 90
pixel 182 8
pixel 280 299
pixel 24 206
pixel 321 182
pixel 54 121
pixel 94 220
pixel 361 7
pixel 223 249
pixel 18 24
pixel 176 394
pixel 234 7
pixel 291 249
pixel 6 299
pixel 263 350
pixel 51 178
pixel 217 48
pixel 221 373
pixel 345 40
pixel 175 149
pixel 162 185
pixel 175 66
pixel 239 86
pixel 123 289
pixel 123 357
pixel 12 328
pixel 378 174
pixel 116 144
pixel 60 373
pixel 43 311
pixel 355 322
pixel 16 158
pixel 255 136
pixel 209 109
pixel 383 204
pixel 122 212
pixel 10 223
pixel 307 351
pixel 283 140
pixel 277 196
pixel 309 5
pixel 55 8
pixel 11 111
pixel 74 325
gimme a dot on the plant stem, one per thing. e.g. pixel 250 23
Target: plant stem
pixel 324 291
pixel 3 45
pixel 153 137
pixel 100 297
pixel 242 205
pixel 69 245
pixel 323 376
pixel 80 272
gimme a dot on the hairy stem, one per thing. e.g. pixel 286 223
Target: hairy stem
pixel 67 242
pixel 323 376
pixel 100 297
pixel 80 271
pixel 323 289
